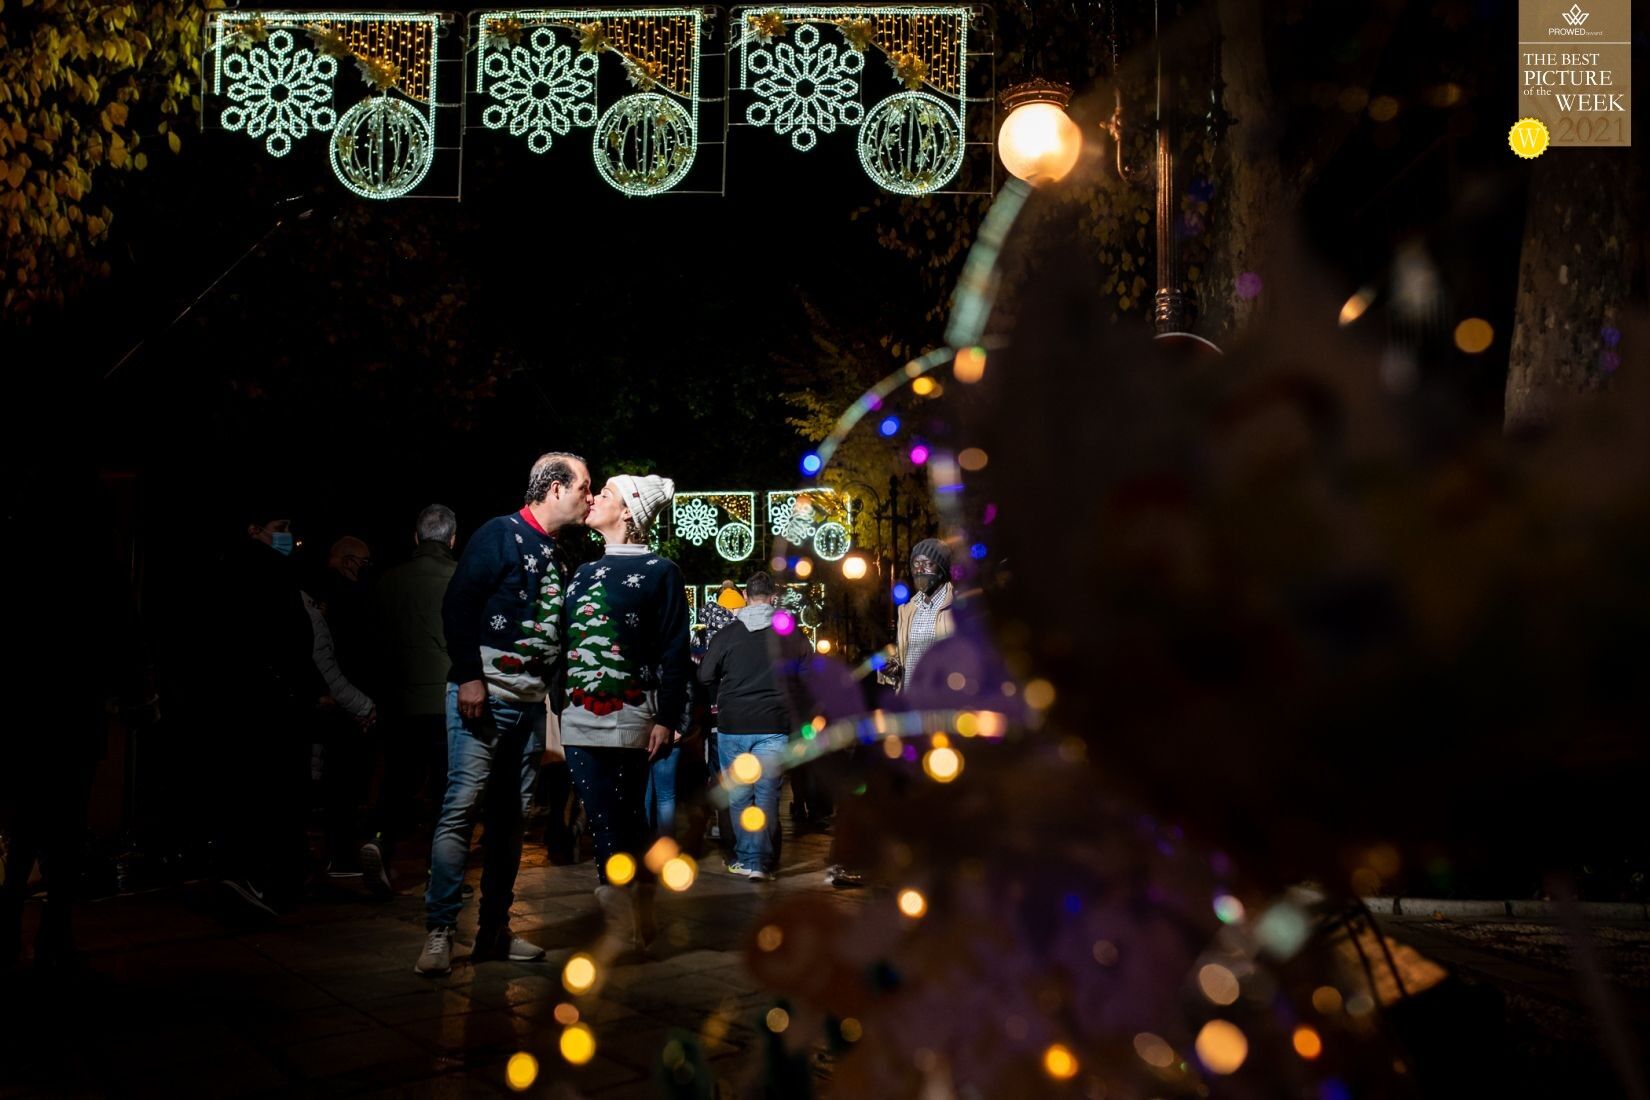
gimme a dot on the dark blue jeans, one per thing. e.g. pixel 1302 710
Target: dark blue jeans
pixel 491 764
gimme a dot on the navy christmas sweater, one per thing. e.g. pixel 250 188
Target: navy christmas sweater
pixel 502 611
pixel 625 621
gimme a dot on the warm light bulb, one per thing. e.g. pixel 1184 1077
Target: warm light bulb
pixel 1039 142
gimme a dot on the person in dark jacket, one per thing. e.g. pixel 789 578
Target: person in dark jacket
pixel 412 657
pixel 267 847
pixel 748 666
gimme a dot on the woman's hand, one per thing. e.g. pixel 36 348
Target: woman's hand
pixel 659 740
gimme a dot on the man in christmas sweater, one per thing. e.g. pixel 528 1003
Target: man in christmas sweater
pixel 502 620
pixel 628 681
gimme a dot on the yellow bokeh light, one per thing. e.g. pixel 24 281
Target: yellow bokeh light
pixel 973 459
pixel 922 387
pixel 752 819
pixel 1383 108
pixel 1308 1043
pixel 566 1014
pixel 1153 1050
pixel 746 768
pixel 1039 695
pixel 969 365
pixel 1221 1047
pixel 663 850
pixel 578 1044
pixel 1357 305
pixel 853 567
pixel 940 741
pixel 1326 999
pixel 804 568
pixel 822 646
pixel 851 1030
pixel 942 764
pixel 1474 335
pixel 521 1071
pixel 769 937
pixel 892 747
pixel 912 903
pixel 777 1019
pixel 991 724
pixel 621 868
pixel 579 974
pixel 968 723
pixel 1060 1062
pixel 1218 984
pixel 678 873
pixel 956 681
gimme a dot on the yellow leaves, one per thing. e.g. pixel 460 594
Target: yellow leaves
pixel 141 161
pixel 113 115
pixel 18 169
pixel 95 227
pixel 117 151
pixel 172 141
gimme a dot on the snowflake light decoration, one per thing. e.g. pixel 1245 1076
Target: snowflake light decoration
pixel 805 88
pixel 279 91
pixel 695 520
pixel 541 89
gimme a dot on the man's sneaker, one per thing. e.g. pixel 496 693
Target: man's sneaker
pixel 247 891
pixel 619 927
pixel 437 958
pixel 342 870
pixel 376 869
pixel 500 944
pixel 755 874
pixel 843 879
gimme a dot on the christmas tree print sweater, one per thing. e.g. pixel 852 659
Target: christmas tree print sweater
pixel 625 620
pixel 502 611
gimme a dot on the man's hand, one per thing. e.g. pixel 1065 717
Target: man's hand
pixel 472 699
pixel 659 740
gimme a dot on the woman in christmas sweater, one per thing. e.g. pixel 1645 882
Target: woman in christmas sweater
pixel 625 628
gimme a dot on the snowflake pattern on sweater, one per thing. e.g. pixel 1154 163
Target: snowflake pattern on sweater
pixel 503 610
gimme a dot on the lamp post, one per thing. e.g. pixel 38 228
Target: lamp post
pixel 1038 141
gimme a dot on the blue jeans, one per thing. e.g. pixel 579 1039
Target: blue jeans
pixel 661 794
pixel 510 736
pixel 759 850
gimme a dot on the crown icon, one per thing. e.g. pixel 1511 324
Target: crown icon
pixel 1575 16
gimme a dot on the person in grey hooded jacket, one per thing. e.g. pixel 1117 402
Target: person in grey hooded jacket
pixel 752 668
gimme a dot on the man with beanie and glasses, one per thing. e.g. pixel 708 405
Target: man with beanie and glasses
pixel 926 617
pixel 502 617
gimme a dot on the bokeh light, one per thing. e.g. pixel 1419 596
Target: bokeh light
pixel 566 1014
pixel 851 1030
pixel 1221 1047
pixel 1326 999
pixel 1153 1050
pixel 769 937
pixel 784 623
pixel 746 768
pixel 521 1071
pixel 621 868
pixel 1474 335
pixel 678 874
pixel 777 1019
pixel 853 567
pixel 811 463
pixel 942 764
pixel 889 425
pixel 1039 695
pixel 579 973
pixel 1060 1063
pixel 973 459
pixel 804 569
pixel 1383 108
pixel 1357 305
pixel 919 454
pixel 1308 1043
pixel 662 850
pixel 1228 910
pixel 922 387
pixel 912 903
pixel 902 593
pixel 1219 984
pixel 822 646
pixel 752 819
pixel 578 1044
pixel 969 365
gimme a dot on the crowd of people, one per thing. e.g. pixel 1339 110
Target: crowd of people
pixel 508 686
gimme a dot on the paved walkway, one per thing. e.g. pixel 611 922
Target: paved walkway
pixel 325 1001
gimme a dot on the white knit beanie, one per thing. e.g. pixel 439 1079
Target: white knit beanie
pixel 643 495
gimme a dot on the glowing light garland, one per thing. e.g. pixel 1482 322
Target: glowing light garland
pixel 813 514
pixel 910 143
pixel 383 146
pixel 696 518
pixel 645 142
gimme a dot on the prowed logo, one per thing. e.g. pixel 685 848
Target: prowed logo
pixel 1575 16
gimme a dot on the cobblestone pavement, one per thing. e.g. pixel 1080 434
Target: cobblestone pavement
pixel 324 1001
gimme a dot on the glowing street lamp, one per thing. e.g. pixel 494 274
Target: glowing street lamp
pixel 1038 141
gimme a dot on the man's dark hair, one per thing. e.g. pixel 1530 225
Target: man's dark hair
pixel 437 523
pixel 552 468
pixel 760 586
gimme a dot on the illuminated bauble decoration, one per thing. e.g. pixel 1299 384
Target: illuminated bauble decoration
pixel 644 144
pixel 911 143
pixel 831 541
pixel 383 148
pixel 735 542
pixel 1039 142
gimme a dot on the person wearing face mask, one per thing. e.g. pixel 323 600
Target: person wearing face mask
pixel 926 617
pixel 281 690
